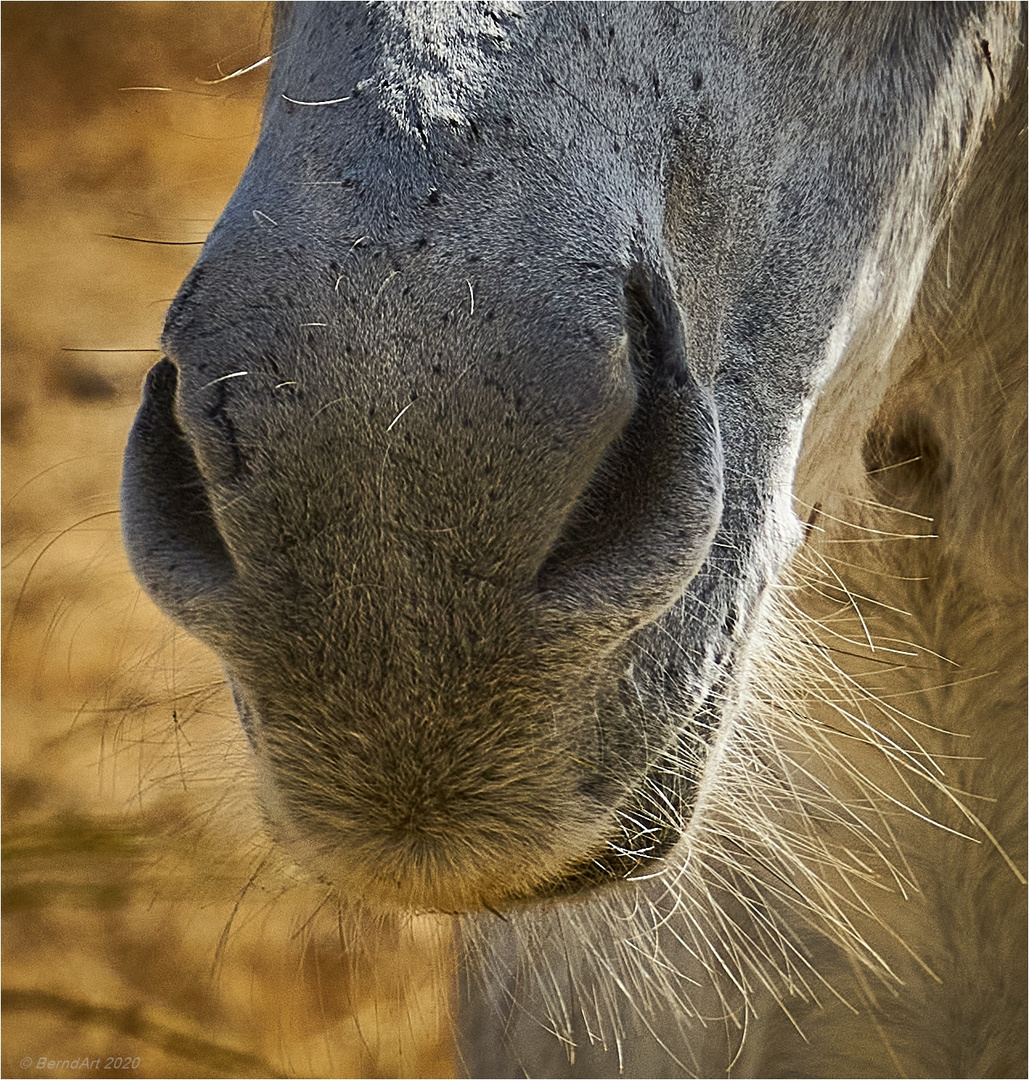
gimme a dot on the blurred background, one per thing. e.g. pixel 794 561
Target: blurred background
pixel 147 921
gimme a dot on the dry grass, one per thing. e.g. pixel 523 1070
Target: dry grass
pixel 145 916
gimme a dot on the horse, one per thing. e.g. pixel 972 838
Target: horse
pixel 592 441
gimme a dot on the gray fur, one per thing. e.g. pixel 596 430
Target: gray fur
pixel 473 452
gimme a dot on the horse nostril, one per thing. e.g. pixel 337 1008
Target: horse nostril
pixel 644 524
pixel 658 352
pixel 170 533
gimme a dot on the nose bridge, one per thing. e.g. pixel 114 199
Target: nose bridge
pixel 338 203
pixel 261 280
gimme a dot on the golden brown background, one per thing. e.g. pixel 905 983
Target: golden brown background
pixel 144 915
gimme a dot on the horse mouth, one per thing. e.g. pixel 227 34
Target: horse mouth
pixel 654 818
pixel 646 824
pixel 640 849
pixel 617 864
pixel 653 821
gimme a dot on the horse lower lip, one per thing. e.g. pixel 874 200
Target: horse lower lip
pixel 641 855
pixel 614 865
pixel 422 864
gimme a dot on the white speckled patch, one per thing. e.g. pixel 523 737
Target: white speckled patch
pixel 441 58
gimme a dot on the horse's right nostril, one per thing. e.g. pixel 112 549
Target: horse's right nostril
pixel 170 533
pixel 644 524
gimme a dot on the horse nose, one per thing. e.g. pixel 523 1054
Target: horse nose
pixel 613 549
pixel 401 542
pixel 615 538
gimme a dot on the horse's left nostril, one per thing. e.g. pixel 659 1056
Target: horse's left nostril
pixel 643 526
pixel 170 533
